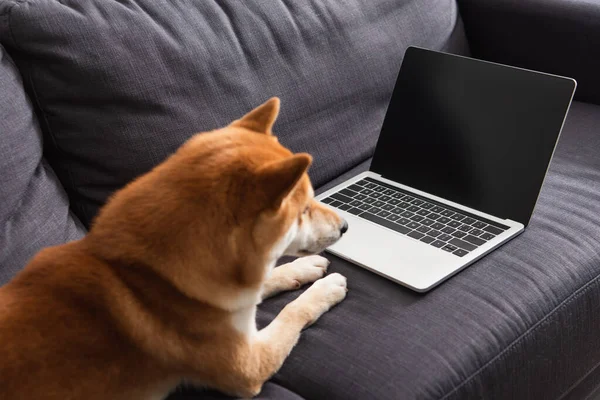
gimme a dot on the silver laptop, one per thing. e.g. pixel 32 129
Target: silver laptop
pixel 458 167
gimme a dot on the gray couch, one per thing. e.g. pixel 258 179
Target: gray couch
pixel 94 93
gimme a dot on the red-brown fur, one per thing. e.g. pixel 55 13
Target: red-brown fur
pixel 146 299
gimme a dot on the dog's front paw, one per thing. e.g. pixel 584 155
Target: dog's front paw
pixel 321 296
pixel 302 271
pixel 295 274
pixel 307 269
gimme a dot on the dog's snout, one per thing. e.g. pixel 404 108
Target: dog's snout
pixel 344 227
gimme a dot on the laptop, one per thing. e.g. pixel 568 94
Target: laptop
pixel 460 161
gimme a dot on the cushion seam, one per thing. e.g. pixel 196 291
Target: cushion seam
pixel 578 381
pixel 582 290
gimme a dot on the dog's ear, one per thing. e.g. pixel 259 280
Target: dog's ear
pixel 262 118
pixel 279 178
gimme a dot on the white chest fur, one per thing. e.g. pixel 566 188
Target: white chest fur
pixel 244 321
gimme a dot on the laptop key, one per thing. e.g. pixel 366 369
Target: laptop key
pixel 443 220
pixel 376 195
pixel 418 218
pixel 389 192
pixel 462 244
pixel 394 202
pixel 384 214
pixel 356 203
pixel 385 198
pixel 327 200
pixel 487 236
pixel 465 228
pixel 362 182
pixel 387 207
pixel 474 239
pixel 397 195
pixel 437 226
pixel 413 225
pixel 475 232
pixel 408 198
pixel 427 222
pixel 457 217
pixel 468 221
pixel 433 216
pixel 449 248
pixel 360 196
pixel 364 207
pixel 460 253
pixel 447 229
pixel 493 229
pixel 423 229
pixel 437 209
pixel 397 211
pixel 336 204
pixel 427 206
pixel 355 187
pixel 407 214
pixel 404 204
pixel 447 213
pixel 380 189
pixel 367 191
pixel 355 211
pixel 417 202
pixel 427 239
pixel 369 200
pixel 479 224
pixel 393 217
pixel 404 221
pixel 438 243
pixel 348 192
pixel 413 208
pixel 423 212
pixel 341 197
pixel 374 210
pixel 370 186
pixel 416 235
pixel 345 207
pixel 454 224
pixel 459 234
pixel 378 203
pixel 445 237
pixel 384 222
pixel 434 233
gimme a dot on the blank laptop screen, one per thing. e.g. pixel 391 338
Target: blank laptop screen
pixel 473 132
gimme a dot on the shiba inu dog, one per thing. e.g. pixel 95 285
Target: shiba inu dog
pixel 164 287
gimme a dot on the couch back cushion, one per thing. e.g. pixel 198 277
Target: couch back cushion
pixel 34 209
pixel 121 84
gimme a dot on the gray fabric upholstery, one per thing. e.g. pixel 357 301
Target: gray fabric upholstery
pixel 270 391
pixel 119 85
pixel 554 36
pixel 519 324
pixel 123 83
pixel 34 209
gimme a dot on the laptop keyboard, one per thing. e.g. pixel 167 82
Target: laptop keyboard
pixel 453 231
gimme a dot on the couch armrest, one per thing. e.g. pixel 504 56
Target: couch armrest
pixel 555 36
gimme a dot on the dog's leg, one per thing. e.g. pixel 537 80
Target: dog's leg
pixel 295 274
pixel 266 351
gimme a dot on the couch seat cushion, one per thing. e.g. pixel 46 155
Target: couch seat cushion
pixel 520 323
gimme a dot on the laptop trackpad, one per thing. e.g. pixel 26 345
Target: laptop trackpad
pixel 391 254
